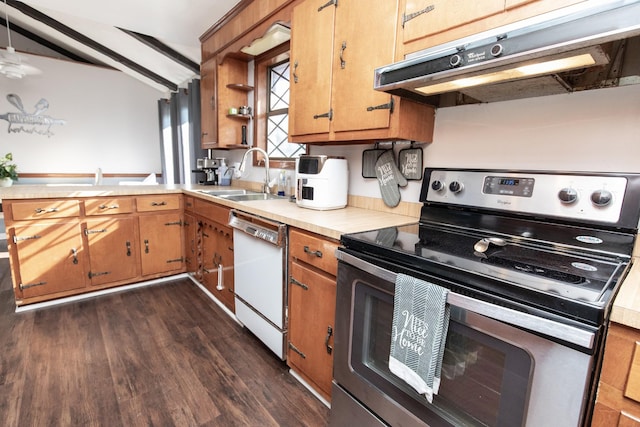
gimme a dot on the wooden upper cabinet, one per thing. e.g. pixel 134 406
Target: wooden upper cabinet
pixel 233 91
pixel 422 18
pixel 423 24
pixel 208 104
pixel 311 63
pixel 333 58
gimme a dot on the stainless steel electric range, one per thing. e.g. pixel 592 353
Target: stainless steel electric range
pixel 532 260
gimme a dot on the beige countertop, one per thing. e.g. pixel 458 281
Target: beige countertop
pixel 330 223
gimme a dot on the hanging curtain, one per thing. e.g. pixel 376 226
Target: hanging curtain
pixel 179 119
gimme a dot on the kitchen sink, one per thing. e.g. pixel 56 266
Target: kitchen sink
pixel 250 196
pixel 240 195
pixel 221 193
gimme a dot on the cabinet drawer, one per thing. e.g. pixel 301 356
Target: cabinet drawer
pixel 158 202
pixel 212 211
pixel 45 209
pixel 108 206
pixel 313 250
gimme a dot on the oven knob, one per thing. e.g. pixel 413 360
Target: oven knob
pixel 601 197
pixel 455 60
pixel 437 185
pixel 455 187
pixel 568 195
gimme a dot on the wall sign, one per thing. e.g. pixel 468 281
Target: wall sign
pixel 35 122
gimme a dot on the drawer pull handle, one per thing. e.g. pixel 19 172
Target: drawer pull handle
pixel 128 248
pixel 87 231
pixel 408 17
pixel 108 207
pixel 50 210
pixel 99 273
pixel 343 63
pixel 326 340
pixel 294 348
pixel 31 285
pixel 295 282
pixel 146 246
pixel 310 252
pixel 163 203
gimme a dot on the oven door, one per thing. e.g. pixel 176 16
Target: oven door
pixel 499 368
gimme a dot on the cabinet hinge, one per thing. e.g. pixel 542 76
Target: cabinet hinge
pixel 31 285
pixel 99 273
pixel 175 260
pixel 295 349
pixel 408 17
pixel 387 106
pixel 295 282
pixel 16 239
pixel 327 4
pixel 174 223
pixel 329 115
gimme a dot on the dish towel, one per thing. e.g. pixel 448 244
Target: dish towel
pixel 420 325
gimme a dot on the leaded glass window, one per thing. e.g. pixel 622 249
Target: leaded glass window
pixel 278 145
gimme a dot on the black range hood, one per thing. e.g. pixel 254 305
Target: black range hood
pixel 591 45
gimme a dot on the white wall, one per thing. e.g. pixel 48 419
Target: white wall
pixel 111 120
pixel 597 130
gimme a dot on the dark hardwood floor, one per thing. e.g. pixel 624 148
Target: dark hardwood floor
pixel 163 355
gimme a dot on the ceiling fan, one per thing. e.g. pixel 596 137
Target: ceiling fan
pixel 12 64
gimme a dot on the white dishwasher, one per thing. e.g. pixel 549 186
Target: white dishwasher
pixel 260 273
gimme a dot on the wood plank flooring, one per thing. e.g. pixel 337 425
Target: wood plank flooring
pixel 163 355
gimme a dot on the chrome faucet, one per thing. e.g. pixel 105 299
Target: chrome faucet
pixel 266 185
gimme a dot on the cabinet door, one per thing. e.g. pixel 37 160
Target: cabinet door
pixel 112 249
pixel 311 62
pixel 312 298
pixel 217 263
pixel 50 258
pixel 161 243
pixel 208 104
pixel 427 17
pixel 358 51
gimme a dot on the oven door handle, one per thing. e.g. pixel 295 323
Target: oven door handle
pixel 562 331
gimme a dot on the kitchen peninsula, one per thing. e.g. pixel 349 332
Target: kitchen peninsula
pixel 72 208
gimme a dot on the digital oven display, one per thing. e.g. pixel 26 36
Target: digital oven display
pixel 503 185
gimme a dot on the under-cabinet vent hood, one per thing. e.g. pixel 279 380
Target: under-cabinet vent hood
pixel 591 45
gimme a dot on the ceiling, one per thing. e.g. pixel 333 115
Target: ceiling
pixel 155 41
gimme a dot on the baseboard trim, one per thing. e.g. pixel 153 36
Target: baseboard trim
pixel 124 288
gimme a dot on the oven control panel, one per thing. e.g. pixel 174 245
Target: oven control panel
pixel 581 197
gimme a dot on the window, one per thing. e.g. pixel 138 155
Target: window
pixel 272 73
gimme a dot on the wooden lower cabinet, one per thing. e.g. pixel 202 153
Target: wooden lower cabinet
pixel 216 256
pixel 618 397
pixel 312 298
pixel 113 249
pixel 48 258
pixel 161 243
pixel 65 247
